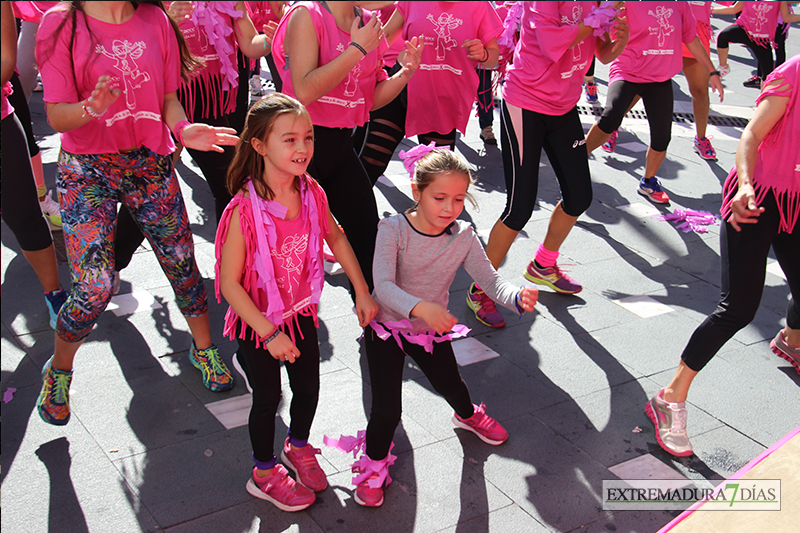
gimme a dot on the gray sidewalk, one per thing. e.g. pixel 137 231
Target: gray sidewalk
pixel 149 449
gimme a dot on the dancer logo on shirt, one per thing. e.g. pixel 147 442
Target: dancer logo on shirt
pixel 291 253
pixel 351 85
pixel 664 28
pixel 443 26
pixel 760 19
pixel 577 16
pixel 125 55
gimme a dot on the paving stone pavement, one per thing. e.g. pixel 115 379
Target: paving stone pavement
pixel 149 449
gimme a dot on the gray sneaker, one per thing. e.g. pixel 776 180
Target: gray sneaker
pixel 669 420
pixel 781 348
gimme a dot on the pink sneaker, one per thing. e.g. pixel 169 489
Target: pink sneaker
pixel 281 490
pixel 485 309
pixel 611 143
pixel 305 466
pixel 368 496
pixel 484 426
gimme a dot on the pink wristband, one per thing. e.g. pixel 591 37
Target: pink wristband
pixel 178 131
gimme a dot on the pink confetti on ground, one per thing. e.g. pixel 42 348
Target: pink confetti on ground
pixel 691 219
pixel 8 395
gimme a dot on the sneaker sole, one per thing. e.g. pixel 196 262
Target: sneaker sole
pixel 487 440
pixel 648 409
pixel 238 367
pixel 253 489
pixel 780 353
pixel 288 463
pixel 648 196
pixel 472 305
pixel 546 283
pixel 365 504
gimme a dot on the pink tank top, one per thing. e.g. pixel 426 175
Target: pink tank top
pixel 349 103
pixel 760 20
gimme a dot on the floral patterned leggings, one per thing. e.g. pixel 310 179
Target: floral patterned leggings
pixel 89 187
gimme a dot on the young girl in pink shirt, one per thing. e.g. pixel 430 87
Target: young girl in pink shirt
pixel 269 269
pixel 111 73
pixel 761 206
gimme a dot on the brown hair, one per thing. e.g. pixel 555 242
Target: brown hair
pixel 436 162
pixel 189 63
pixel 247 163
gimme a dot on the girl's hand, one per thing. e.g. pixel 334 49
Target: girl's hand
pixel 102 96
pixel 282 348
pixel 369 36
pixel 620 29
pixel 716 86
pixel 366 309
pixel 269 31
pixel 207 138
pixel 475 50
pixel 743 207
pixel 436 316
pixel 527 297
pixel 413 54
pixel 180 11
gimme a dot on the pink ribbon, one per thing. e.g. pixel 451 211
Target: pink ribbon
pixel 424 338
pixel 601 18
pixel 364 466
pixel 692 220
pixel 410 157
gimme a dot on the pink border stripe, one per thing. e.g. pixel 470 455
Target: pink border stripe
pixel 742 471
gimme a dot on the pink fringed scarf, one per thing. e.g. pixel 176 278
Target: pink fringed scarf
pixel 258 278
pixel 776 169
pixel 364 466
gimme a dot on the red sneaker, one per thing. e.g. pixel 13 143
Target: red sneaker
pixel 281 490
pixel 484 426
pixel 305 466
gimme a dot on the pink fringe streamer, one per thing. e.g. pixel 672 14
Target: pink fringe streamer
pixel 364 466
pixel 692 220
pixel 410 157
pixel 208 15
pixel 424 339
pixel 601 18
pixel 511 23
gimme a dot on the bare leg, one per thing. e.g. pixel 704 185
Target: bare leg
pixel 560 225
pixel 201 331
pixel 722 54
pixel 791 336
pixel 500 240
pixel 65 353
pixel 653 162
pixel 595 138
pixel 697 77
pixel 38 175
pixel 46 268
pixel 678 388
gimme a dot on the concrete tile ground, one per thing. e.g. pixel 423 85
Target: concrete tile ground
pixel 143 452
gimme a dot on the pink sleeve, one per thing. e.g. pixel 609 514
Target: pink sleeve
pixel 490 24
pixel 688 23
pixel 553 38
pixel 53 58
pixel 782 88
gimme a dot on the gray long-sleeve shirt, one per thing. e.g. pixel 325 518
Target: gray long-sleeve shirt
pixel 410 267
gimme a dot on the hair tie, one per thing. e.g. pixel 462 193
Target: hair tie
pixel 410 157
pixel 601 18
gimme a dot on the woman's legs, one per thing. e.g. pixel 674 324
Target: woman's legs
pixel 697 77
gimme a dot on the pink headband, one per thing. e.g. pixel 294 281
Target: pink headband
pixel 410 157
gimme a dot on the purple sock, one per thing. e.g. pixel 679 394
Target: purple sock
pixel 297 443
pixel 268 465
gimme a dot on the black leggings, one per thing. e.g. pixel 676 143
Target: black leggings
pixel 743 257
pixel 657 98
pixel 563 142
pixel 736 34
pixel 338 170
pixel 264 375
pixel 386 363
pixel 19 203
pixel 23 112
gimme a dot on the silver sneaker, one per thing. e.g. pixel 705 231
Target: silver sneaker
pixel 669 420
pixel 781 348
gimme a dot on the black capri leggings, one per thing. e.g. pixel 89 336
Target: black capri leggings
pixel 657 98
pixel 563 141
pixel 23 112
pixel 19 203
pixel 736 34
pixel 264 375
pixel 386 363
pixel 743 257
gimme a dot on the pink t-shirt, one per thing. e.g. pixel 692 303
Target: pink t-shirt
pixel 349 103
pixel 141 56
pixel 547 73
pixel 390 55
pixel 760 20
pixel 653 52
pixel 289 257
pixel 31 11
pixel 261 14
pixel 702 15
pixel 5 107
pixel 441 92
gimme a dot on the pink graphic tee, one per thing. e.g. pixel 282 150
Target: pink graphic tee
pixel 760 20
pixel 289 257
pixel 349 103
pixel 31 11
pixel 142 58
pixel 390 55
pixel 653 52
pixel 5 107
pixel 441 92
pixel 547 73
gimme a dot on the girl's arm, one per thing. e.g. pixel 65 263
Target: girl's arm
pixel 230 274
pixel 8 39
pixel 310 79
pixel 487 55
pixel 786 13
pixel 607 50
pixel 198 136
pixel 769 111
pixel 366 306
pixel 63 116
pixel 393 27
pixel 730 10
pixel 387 90
pixel 251 43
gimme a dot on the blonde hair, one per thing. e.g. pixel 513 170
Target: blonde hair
pixel 436 162
pixel 249 164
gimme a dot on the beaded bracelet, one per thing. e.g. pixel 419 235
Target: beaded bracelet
pixel 87 110
pixel 271 337
pixel 360 48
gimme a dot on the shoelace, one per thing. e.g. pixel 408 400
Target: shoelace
pixel 59 389
pixel 705 144
pixel 214 363
pixel 678 421
pixel 591 90
pixel 487 303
